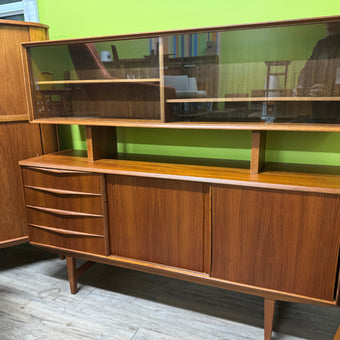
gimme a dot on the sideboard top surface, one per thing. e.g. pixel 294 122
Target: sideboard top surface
pixel 289 179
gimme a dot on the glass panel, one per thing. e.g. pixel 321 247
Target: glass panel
pixel 109 79
pixel 275 74
pixel 17 17
pixel 5 2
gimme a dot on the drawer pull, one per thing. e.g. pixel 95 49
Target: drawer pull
pixel 62 212
pixel 59 171
pixel 64 231
pixel 61 192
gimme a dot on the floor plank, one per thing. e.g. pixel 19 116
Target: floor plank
pixel 116 303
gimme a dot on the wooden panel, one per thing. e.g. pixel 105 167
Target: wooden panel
pixel 285 180
pixel 156 220
pixel 38 33
pixel 49 138
pixel 84 182
pixel 81 203
pixel 116 100
pixel 85 224
pixel 101 142
pixel 286 241
pixel 13 97
pixel 258 148
pixel 13 147
pixel 76 242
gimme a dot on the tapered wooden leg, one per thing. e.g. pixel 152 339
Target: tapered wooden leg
pixel 337 335
pixel 61 256
pixel 72 273
pixel 269 306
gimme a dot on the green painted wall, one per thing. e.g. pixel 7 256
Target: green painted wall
pixel 79 18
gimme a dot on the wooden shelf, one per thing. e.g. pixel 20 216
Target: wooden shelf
pixel 252 99
pixel 148 123
pixel 97 81
pixel 284 180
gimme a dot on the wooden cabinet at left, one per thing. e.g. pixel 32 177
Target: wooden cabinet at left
pixel 18 138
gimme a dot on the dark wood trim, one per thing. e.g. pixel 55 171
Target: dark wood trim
pixel 14 242
pixel 188 275
pixel 303 21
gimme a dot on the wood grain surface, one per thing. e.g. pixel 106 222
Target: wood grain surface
pixel 284 180
pixel 13 97
pixel 156 220
pixel 13 147
pixel 287 241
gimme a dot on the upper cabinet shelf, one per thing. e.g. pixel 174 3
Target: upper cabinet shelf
pixel 275 74
pixel 96 81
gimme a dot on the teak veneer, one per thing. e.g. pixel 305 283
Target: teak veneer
pixel 18 138
pixel 271 230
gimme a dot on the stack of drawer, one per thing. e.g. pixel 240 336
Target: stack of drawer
pixel 66 209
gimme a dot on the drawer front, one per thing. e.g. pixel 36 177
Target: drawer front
pixel 61 220
pixel 63 179
pixel 64 201
pixel 65 209
pixel 60 239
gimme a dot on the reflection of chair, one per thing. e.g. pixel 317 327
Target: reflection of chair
pixel 184 86
pixel 86 61
pixel 273 76
pixel 110 99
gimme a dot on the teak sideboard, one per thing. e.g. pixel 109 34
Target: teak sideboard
pixel 271 230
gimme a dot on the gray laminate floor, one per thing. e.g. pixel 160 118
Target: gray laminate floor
pixel 115 303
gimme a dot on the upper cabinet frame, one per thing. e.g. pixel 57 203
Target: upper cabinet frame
pixel 282 75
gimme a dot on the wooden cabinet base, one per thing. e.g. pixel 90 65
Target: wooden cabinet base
pixel 13 242
pixel 74 273
pixel 279 243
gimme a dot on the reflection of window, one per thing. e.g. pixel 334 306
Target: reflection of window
pixel 23 10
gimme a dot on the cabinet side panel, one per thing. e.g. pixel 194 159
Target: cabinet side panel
pixel 286 241
pixel 156 220
pixel 14 146
pixel 13 97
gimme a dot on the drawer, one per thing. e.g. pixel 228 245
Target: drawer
pixel 62 239
pixel 68 180
pixel 66 220
pixel 44 197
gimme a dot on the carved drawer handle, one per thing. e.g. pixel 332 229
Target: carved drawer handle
pixel 62 212
pixel 59 171
pixel 65 231
pixel 61 192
